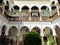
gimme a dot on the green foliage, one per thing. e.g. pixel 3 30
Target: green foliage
pixel 51 40
pixel 32 38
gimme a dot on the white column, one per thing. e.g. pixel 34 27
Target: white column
pixel 42 41
pixel 57 9
pixel 40 13
pixel 50 11
pixel 42 34
pixel 18 34
pixel 7 31
pixel 30 14
pixel 54 33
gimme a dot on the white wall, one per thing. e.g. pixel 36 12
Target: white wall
pixel 31 25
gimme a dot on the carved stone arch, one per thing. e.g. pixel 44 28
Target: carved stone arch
pixel 12 34
pixel 47 31
pixel 37 29
pixel 13 31
pixel 25 8
pixel 44 7
pixel 23 32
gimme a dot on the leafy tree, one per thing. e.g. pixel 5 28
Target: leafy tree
pixel 32 38
pixel 51 40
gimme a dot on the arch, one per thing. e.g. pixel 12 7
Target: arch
pixel 45 11
pixel 53 7
pixel 47 31
pixel 37 29
pixel 35 12
pixel 24 30
pixel 12 35
pixel 3 29
pixel 44 8
pixel 16 7
pixel 34 8
pixel 25 8
pixel 53 2
pixel 12 31
pixel 6 7
pixel 57 30
pixel 56 26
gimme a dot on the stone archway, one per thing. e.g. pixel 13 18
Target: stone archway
pixel 47 34
pixel 35 15
pixel 13 31
pixel 57 30
pixel 23 31
pixel 25 8
pixel 12 36
pixel 45 11
pixel 37 29
pixel 47 31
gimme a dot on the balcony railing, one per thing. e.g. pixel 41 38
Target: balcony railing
pixel 14 19
pixel 27 17
pixel 24 18
pixel 35 18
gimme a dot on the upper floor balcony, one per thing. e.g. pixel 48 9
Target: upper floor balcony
pixel 45 14
pixel 31 17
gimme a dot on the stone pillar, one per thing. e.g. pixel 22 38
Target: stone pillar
pixel 57 9
pixel 7 31
pixel 18 35
pixel 19 15
pixel 42 41
pixel 40 15
pixel 42 35
pixel 18 40
pixel 50 14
